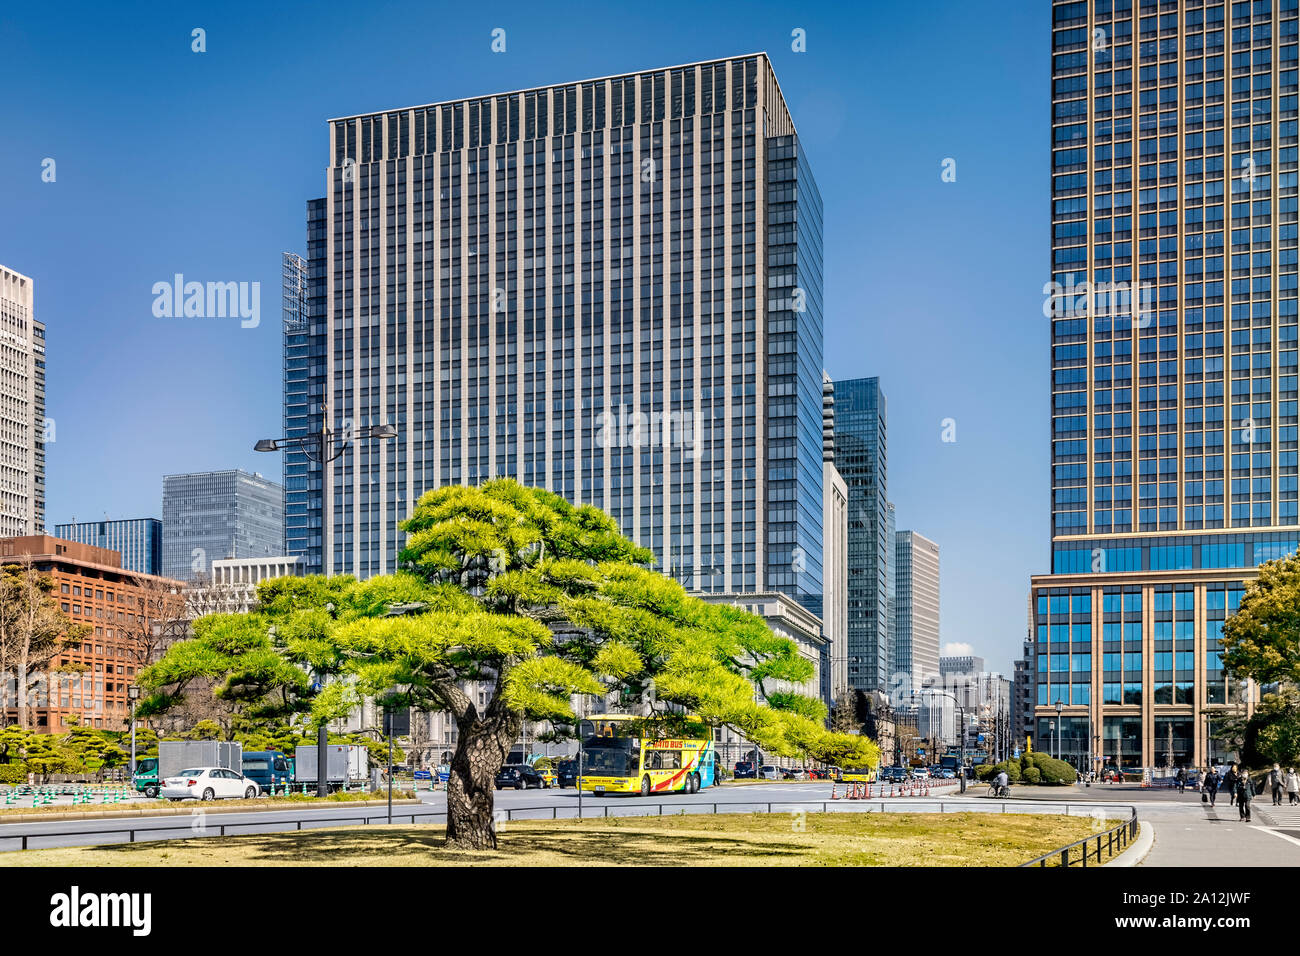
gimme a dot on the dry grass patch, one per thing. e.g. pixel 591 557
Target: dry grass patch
pixel 814 839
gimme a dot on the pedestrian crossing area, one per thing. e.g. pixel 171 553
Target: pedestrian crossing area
pixel 1286 817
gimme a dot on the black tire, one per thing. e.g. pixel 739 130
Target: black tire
pixel 208 794
pixel 151 792
pixel 645 786
pixel 250 793
pixel 522 785
pixel 498 786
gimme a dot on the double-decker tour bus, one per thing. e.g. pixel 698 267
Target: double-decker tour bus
pixel 626 754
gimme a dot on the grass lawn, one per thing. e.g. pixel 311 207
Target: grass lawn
pixel 831 839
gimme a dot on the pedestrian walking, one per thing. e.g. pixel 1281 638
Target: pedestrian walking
pixel 1245 791
pixel 1292 786
pixel 1230 783
pixel 1275 785
pixel 1182 779
pixel 1210 787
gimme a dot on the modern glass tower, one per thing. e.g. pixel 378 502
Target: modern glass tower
pixel 212 515
pixel 858 434
pixel 608 288
pixel 303 375
pixel 137 540
pixel 1174 372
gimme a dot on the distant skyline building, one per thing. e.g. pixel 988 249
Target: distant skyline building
pixel 22 408
pixel 858 431
pixel 208 516
pixel 916 625
pixel 137 540
pixel 609 288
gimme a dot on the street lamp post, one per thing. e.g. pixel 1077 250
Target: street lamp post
pixel 133 692
pixel 329 446
pixel 961 736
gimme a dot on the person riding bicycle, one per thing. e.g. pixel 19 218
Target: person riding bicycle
pixel 1001 781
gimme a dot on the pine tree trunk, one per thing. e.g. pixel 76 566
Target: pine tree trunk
pixel 481 750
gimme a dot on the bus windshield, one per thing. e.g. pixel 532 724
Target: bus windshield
pixel 610 762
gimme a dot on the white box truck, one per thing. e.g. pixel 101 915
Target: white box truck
pixel 345 764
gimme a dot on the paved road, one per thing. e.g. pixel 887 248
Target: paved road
pixel 1191 833
pixel 510 805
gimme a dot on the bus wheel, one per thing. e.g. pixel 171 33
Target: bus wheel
pixel 695 783
pixel 645 786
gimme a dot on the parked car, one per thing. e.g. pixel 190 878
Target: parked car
pixel 521 777
pixel 816 773
pixel 769 772
pixel 209 783
pixel 744 768
pixel 793 773
pixel 566 773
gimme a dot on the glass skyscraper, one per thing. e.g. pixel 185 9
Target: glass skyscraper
pixel 303 374
pixel 212 515
pixel 858 435
pixel 609 288
pixel 137 540
pixel 1174 373
pixel 916 619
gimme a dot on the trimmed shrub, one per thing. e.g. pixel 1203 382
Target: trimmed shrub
pixel 1012 767
pixel 1026 761
pixel 1053 772
pixel 1032 775
pixel 985 771
pixel 13 773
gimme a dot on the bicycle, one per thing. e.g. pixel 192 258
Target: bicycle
pixel 996 791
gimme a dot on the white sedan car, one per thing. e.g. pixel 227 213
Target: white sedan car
pixel 208 783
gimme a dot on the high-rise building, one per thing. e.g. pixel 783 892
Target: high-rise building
pixel 137 540
pixel 87 682
pixel 1174 364
pixel 304 363
pixel 22 408
pixel 916 621
pixel 608 288
pixel 835 573
pixel 208 516
pixel 858 434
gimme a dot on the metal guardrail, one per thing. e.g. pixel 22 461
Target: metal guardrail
pixel 1119 836
pixel 892 805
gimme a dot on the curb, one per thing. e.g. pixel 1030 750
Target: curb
pixel 170 811
pixel 1136 853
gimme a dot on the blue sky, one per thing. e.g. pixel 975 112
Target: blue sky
pixel 172 161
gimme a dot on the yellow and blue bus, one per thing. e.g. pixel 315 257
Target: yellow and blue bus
pixel 626 754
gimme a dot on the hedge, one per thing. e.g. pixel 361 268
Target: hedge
pixel 13 773
pixel 1032 775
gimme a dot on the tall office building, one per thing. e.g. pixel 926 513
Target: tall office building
pixel 137 540
pixel 858 430
pixel 1174 400
pixel 304 362
pixel 608 288
pixel 22 408
pixel 208 516
pixel 834 608
pixel 916 622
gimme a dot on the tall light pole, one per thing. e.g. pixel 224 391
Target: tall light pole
pixel 961 736
pixel 329 446
pixel 133 692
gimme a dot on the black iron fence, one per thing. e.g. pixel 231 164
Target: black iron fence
pixel 1115 840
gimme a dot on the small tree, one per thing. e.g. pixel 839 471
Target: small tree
pixel 33 630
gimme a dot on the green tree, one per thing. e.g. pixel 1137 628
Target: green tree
pixel 90 751
pixel 517 589
pixel 1262 640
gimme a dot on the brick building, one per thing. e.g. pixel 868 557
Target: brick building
pixel 125 611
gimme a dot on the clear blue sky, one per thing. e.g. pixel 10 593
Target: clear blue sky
pixel 172 161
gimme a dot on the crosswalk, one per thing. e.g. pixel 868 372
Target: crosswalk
pixel 1285 817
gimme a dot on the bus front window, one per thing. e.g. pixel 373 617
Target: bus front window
pixel 608 762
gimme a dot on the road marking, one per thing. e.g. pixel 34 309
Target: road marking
pixel 1276 833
